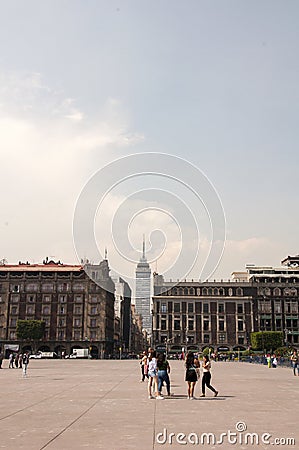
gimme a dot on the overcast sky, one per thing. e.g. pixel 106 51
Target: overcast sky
pixel 83 83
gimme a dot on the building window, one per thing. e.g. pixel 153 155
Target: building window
pixel 78 287
pixel 14 310
pixel 47 298
pixel 62 309
pixel 46 310
pixel 206 308
pixel 221 324
pixel 277 307
pixel 94 299
pixel 77 335
pixel 239 292
pixel 190 339
pixel 31 287
pixel 221 308
pixel 47 287
pixel 240 308
pixel 78 310
pixel 206 325
pixel 221 338
pixel 93 310
pixel 221 292
pixel 63 287
pixel 176 307
pixel 30 310
pixel 163 308
pixel 163 325
pixel 78 298
pixel 177 324
pixel 191 325
pixel 15 298
pixel 240 325
pixel 190 308
pixel 192 292
pixel 77 322
pixel 61 322
pixel 277 292
pixel 93 322
pixel 278 324
pixel 206 338
pixel 62 298
pixel 93 334
pixel 15 288
pixel 12 335
pixel 241 340
pixel 230 292
pixel 47 321
pixel 13 322
pixel 61 335
pixel 204 291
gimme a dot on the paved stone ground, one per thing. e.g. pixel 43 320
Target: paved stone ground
pixel 78 404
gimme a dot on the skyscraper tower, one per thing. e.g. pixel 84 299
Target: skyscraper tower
pixel 143 291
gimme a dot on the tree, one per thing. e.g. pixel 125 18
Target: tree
pixel 266 340
pixel 33 330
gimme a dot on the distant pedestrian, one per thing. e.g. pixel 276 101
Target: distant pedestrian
pixel 17 360
pixel 153 375
pixel 295 362
pixel 274 362
pixel 11 360
pixel 20 360
pixel 143 364
pixel 25 363
pixel 1 359
pixel 269 361
pixel 163 373
pixel 192 373
pixel 206 378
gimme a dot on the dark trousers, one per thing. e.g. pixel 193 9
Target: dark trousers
pixel 143 374
pixel 206 379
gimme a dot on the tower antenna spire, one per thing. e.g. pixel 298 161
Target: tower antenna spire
pixel 106 252
pixel 143 247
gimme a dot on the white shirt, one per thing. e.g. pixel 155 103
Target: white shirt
pixel 152 365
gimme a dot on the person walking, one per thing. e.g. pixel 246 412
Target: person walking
pixel 11 360
pixel 25 363
pixel 192 373
pixel 1 359
pixel 153 375
pixel 20 360
pixel 295 362
pixel 143 364
pixel 206 377
pixel 163 373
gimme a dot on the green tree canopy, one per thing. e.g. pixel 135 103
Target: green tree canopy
pixel 266 340
pixel 30 329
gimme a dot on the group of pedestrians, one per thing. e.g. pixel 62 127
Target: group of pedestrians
pixel 18 361
pixel 156 370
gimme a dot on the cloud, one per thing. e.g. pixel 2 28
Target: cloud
pixel 48 149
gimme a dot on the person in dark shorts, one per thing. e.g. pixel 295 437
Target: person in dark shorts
pixel 192 373
pixel 206 378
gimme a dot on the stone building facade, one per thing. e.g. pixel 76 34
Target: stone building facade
pixel 78 313
pixel 222 314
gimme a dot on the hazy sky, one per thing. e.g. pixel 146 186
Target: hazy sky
pixel 85 82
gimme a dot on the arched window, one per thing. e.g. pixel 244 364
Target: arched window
pixel 204 291
pixel 230 292
pixel 192 291
pixel 197 291
pixel 277 292
pixel 221 292
pixel 216 291
pixel 239 291
pixel 186 291
pixel 210 291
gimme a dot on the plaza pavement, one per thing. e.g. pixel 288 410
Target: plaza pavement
pixel 93 404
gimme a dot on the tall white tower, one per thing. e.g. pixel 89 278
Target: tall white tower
pixel 143 291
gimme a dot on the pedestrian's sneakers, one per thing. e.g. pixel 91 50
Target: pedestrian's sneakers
pixel 159 397
pixel 191 398
pixel 203 395
pixel 216 393
pixel 150 397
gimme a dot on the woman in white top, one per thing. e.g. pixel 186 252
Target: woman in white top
pixel 153 375
pixel 206 379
